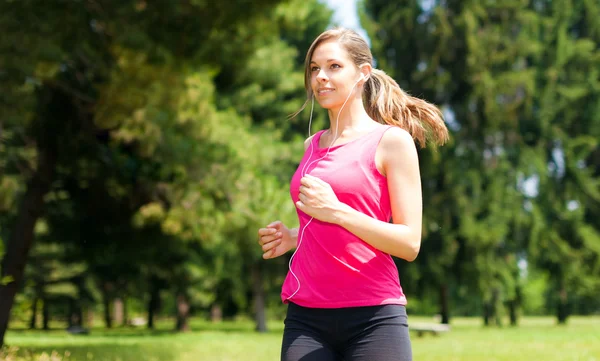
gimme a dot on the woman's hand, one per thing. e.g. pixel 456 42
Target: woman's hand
pixel 276 239
pixel 318 200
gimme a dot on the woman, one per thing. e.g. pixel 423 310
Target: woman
pixel 343 291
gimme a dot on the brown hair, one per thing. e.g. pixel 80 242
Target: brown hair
pixel 384 100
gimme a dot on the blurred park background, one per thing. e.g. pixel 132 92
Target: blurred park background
pixel 144 142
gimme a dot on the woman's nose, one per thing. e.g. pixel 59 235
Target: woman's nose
pixel 321 76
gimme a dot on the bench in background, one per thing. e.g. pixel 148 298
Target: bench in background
pixel 433 328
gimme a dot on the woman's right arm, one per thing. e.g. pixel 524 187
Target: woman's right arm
pixel 276 239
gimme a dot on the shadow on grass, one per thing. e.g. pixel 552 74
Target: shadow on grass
pixel 114 352
pixel 237 326
pixel 233 328
pixel 28 337
pixel 116 332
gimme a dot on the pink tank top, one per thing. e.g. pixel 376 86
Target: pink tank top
pixel 331 267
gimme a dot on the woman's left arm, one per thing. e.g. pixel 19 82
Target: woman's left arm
pixel 402 238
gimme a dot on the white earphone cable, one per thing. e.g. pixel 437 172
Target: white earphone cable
pixel 303 173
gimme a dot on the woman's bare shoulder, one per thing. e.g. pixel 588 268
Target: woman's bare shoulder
pixel 397 140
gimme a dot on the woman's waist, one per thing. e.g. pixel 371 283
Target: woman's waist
pixel 328 291
pixel 356 263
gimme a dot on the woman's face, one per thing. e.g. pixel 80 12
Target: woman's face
pixel 332 75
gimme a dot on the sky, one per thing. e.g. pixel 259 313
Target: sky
pixel 346 15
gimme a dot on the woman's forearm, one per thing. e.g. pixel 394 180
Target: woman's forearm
pixel 294 236
pixel 395 239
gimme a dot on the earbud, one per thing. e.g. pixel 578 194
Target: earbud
pixel 362 77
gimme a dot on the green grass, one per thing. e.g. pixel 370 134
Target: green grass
pixel 535 339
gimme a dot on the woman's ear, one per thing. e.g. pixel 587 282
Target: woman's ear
pixel 365 70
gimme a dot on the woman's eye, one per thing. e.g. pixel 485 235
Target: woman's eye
pixel 335 66
pixel 314 68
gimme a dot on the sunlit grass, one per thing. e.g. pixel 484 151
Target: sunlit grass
pixel 535 339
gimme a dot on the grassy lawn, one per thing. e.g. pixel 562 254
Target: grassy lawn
pixel 535 339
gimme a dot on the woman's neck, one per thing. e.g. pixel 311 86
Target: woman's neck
pixel 353 117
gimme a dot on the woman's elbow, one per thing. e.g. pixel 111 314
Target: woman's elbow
pixel 413 251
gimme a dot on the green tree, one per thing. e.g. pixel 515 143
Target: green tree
pixel 512 78
pixel 565 130
pixel 58 59
pixel 265 90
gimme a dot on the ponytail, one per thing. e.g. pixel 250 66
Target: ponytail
pixel 387 103
pixel 384 100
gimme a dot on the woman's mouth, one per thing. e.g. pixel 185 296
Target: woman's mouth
pixel 324 91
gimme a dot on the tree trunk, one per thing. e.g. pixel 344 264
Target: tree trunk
pixel 125 312
pixel 562 309
pixel 21 236
pixel 45 314
pixel 118 311
pixel 79 303
pixel 106 303
pixel 89 319
pixel 153 303
pixel 183 313
pixel 76 316
pixel 70 313
pixel 216 313
pixel 512 309
pixel 259 298
pixel 487 313
pixel 444 307
pixel 497 307
pixel 150 315
pixel 33 320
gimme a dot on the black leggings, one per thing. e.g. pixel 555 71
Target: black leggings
pixel 374 333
